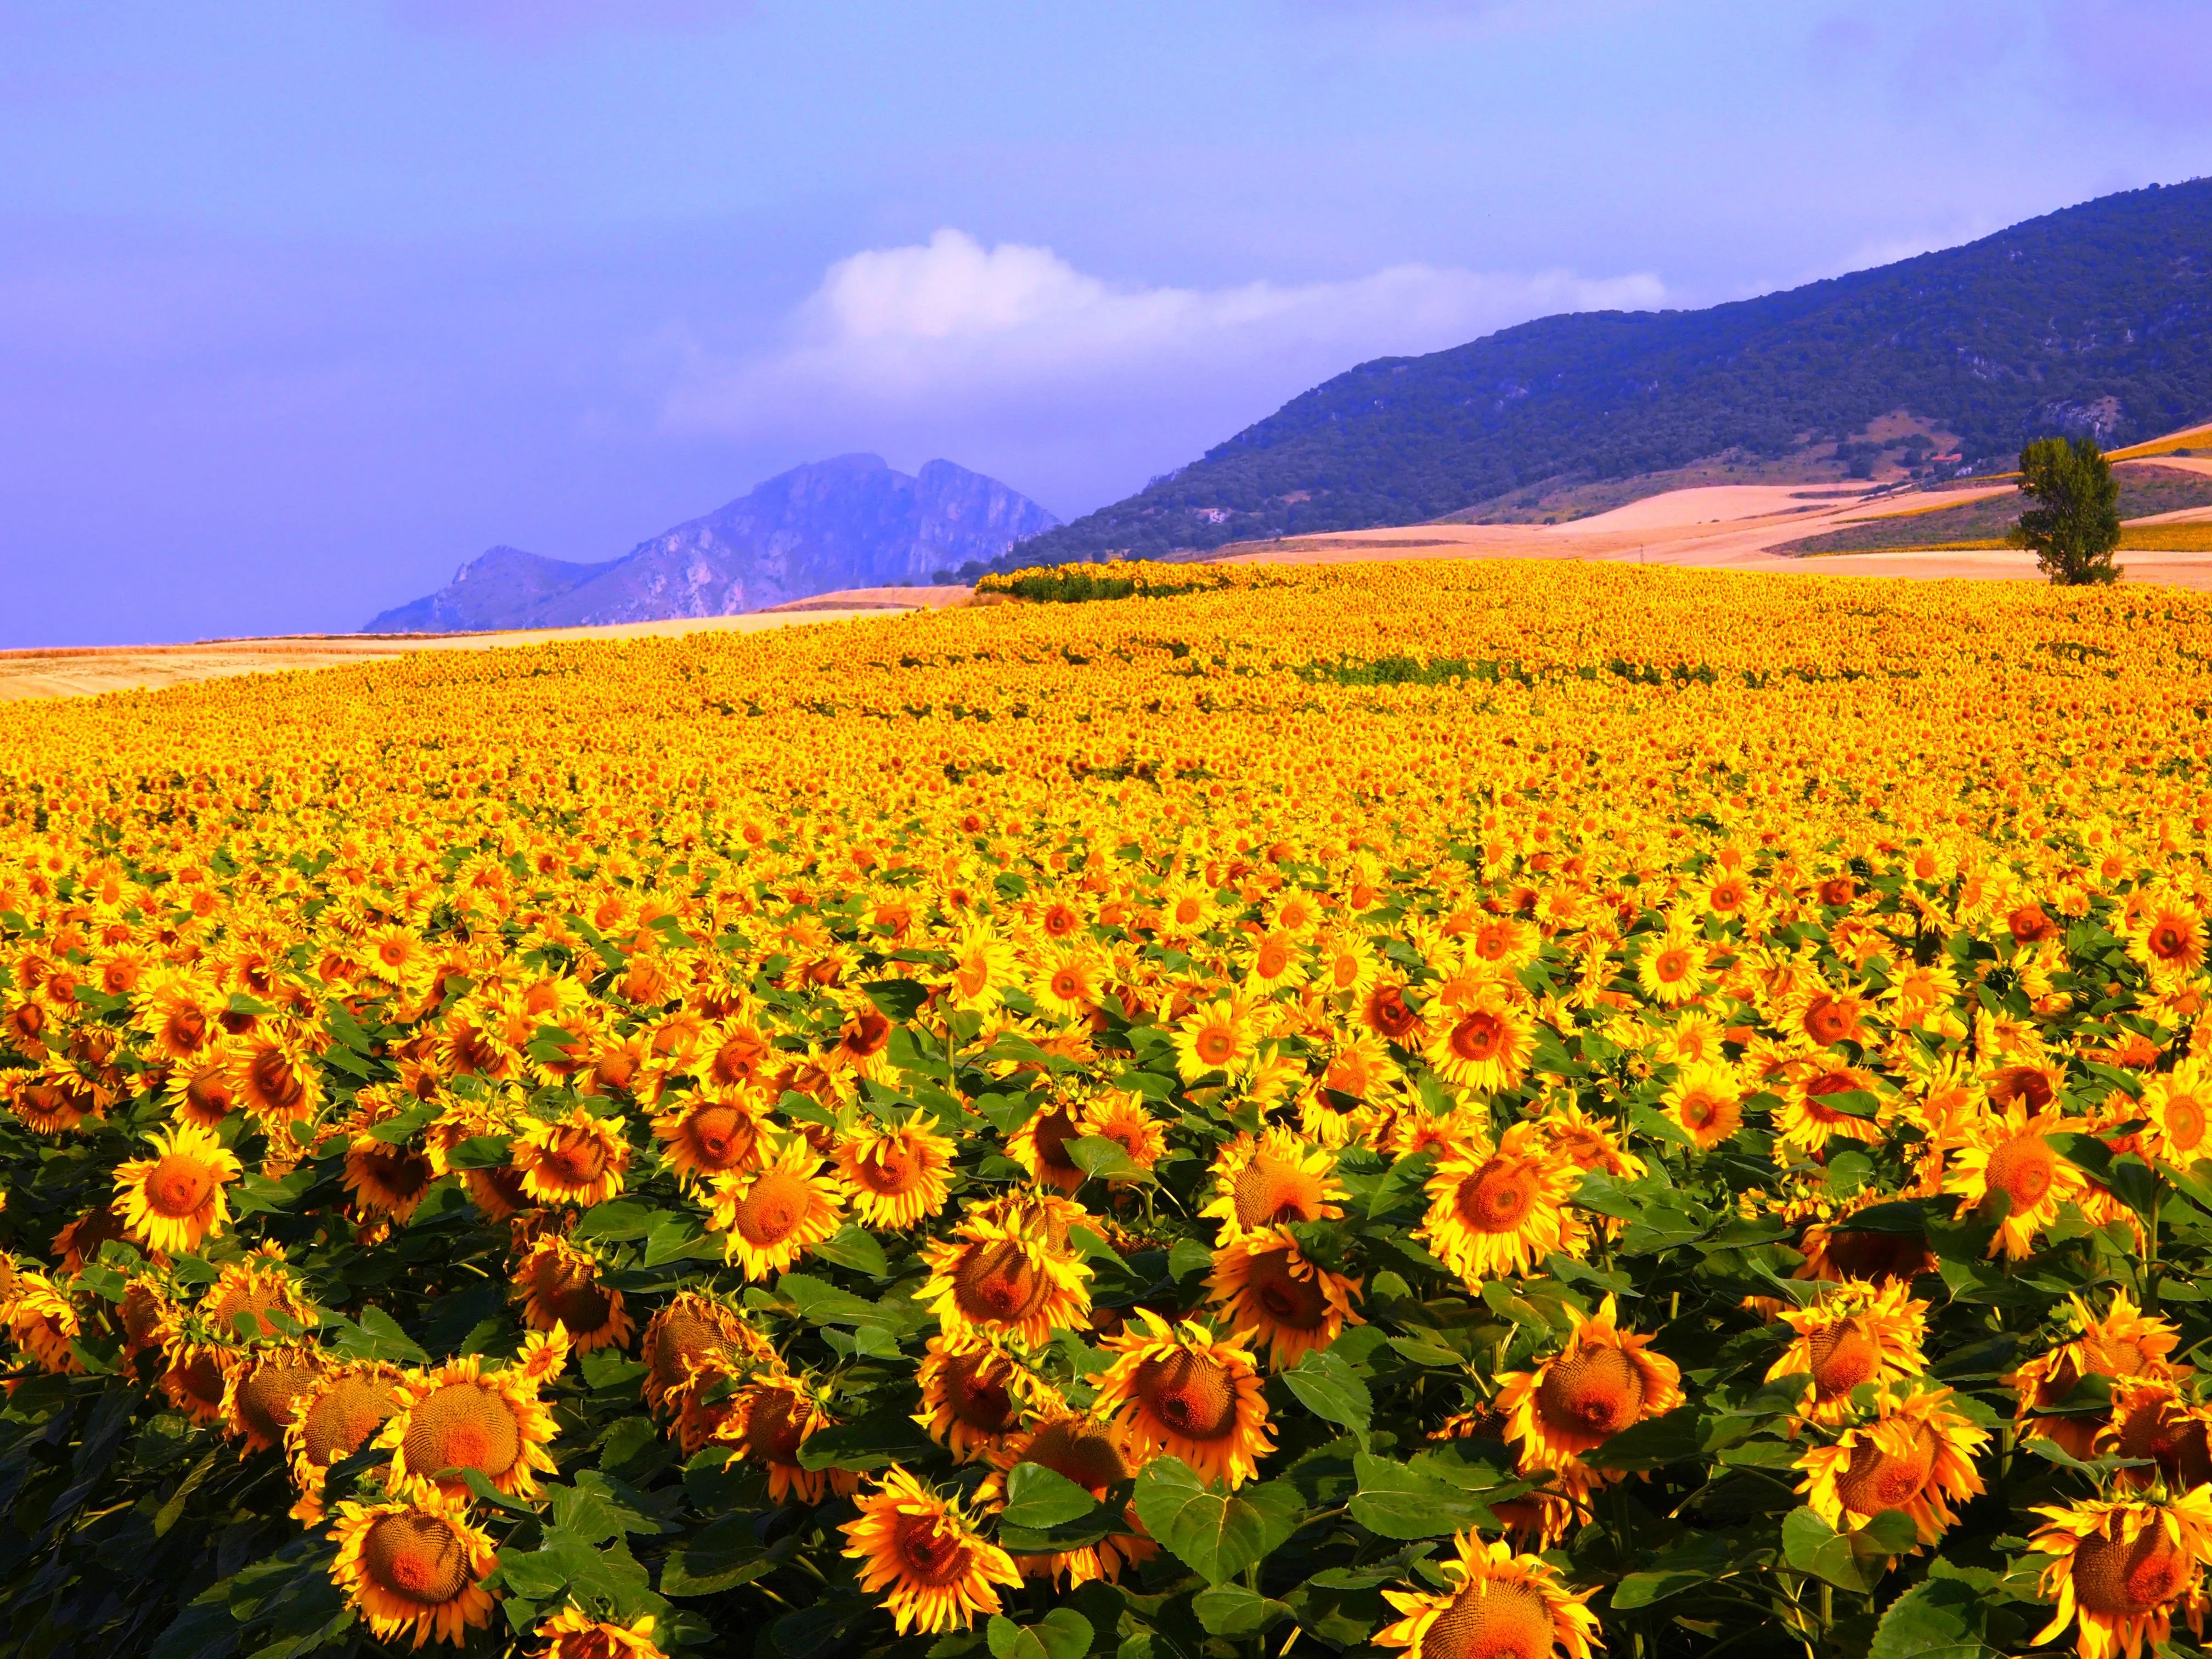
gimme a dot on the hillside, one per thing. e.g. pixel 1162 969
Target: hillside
pixel 849 522
pixel 2095 320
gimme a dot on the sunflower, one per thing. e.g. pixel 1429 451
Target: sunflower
pixel 331 1420
pixel 897 1176
pixel 559 1284
pixel 1917 1455
pixel 261 1390
pixel 974 1396
pixel 1806 1122
pixel 768 1420
pixel 1818 1017
pixel 44 1322
pixel 1095 1455
pixel 1067 982
pixel 201 1093
pixel 2151 1420
pixel 181 1016
pixel 2167 936
pixel 1496 1604
pixel 1181 1390
pixel 578 1159
pixel 2010 1155
pixel 1498 1212
pixel 245 1293
pixel 1264 1284
pixel 694 1335
pixel 2125 1345
pixel 1673 968
pixel 572 1634
pixel 1834 1249
pixel 1275 1180
pixel 1602 1381
pixel 1348 968
pixel 386 1179
pixel 1040 1146
pixel 2124 1567
pixel 984 968
pixel 1120 1117
pixel 1706 1100
pixel 415 1562
pixel 1483 1048
pixel 80 1242
pixel 774 1214
pixel 1587 1143
pixel 1856 1333
pixel 1217 1036
pixel 1004 1277
pixel 2178 1105
pixel 272 1071
pixel 711 1135
pixel 461 1416
pixel 922 1554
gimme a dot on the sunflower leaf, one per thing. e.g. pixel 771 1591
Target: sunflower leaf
pixel 1937 1618
pixel 1037 1497
pixel 1105 1160
pixel 897 998
pixel 1330 1388
pixel 855 1249
pixel 1063 1633
pixel 1232 1610
pixel 1395 1500
pixel 1214 1532
pixel 1811 1545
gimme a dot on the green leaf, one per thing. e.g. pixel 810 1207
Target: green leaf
pixel 721 1556
pixel 1188 1257
pixel 1106 1160
pixel 1330 1388
pixel 881 1438
pixel 1232 1610
pixel 1395 1500
pixel 823 1303
pixel 1401 1183
pixel 856 1248
pixel 897 998
pixel 1214 1532
pixel 620 1218
pixel 1936 1618
pixel 1037 1497
pixel 1675 1437
pixel 1063 1633
pixel 482 1152
pixel 1811 1545
pixel 1693 1559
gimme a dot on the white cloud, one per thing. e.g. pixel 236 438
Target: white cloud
pixel 953 348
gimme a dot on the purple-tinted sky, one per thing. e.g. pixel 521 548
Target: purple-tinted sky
pixel 303 305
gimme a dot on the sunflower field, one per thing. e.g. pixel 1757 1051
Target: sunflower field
pixel 1452 1111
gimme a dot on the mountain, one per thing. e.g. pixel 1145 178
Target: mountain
pixel 2096 319
pixel 849 522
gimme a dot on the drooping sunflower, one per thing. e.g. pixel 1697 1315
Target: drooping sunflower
pixel 1497 1604
pixel 2125 1345
pixel 1182 1391
pixel 194 1376
pixel 1216 1037
pixel 922 1554
pixel 466 1415
pixel 1120 1117
pixel 1485 1048
pixel 1005 1277
pixel 1496 1211
pixel 414 1564
pixel 694 1335
pixel 1095 1455
pixel 332 1420
pixel 578 1159
pixel 1602 1381
pixel 1856 1333
pixel 1915 1455
pixel 201 1093
pixel 2153 1420
pixel 572 1634
pixel 1264 1284
pixel 773 1214
pixel 974 1396
pixel 273 1074
pixel 2178 1108
pixel 173 1199
pixel 1835 1250
pixel 181 1015
pixel 2124 1568
pixel 2013 1156
pixel 385 1179
pixel 263 1387
pixel 559 1284
pixel 1706 1100
pixel 707 1136
pixel 897 1176
pixel 44 1322
pixel 245 1293
pixel 769 1419
pixel 1273 1181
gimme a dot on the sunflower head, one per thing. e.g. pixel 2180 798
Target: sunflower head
pixel 1181 1390
pixel 897 1175
pixel 415 1566
pixel 460 1416
pixel 1917 1455
pixel 1857 1334
pixel 174 1199
pixel 1604 1380
pixel 561 1285
pixel 974 1396
pixel 923 1556
pixel 2123 1568
pixel 712 1136
pixel 572 1634
pixel 1497 1604
pixel 1271 1180
pixel 263 1387
pixel 577 1159
pixel 694 1336
pixel 774 1214
pixel 333 1417
pixel 1264 1284
pixel 1003 1274
pixel 1495 1211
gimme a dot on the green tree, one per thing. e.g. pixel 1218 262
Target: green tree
pixel 2076 524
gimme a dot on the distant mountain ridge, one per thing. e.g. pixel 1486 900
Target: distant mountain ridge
pixel 2096 319
pixel 851 521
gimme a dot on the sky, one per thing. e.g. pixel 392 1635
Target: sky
pixel 301 306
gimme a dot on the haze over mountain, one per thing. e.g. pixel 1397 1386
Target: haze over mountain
pixel 2095 320
pixel 851 521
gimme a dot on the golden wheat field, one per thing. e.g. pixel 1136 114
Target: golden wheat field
pixel 1473 1110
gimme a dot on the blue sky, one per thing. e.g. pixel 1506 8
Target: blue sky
pixel 302 305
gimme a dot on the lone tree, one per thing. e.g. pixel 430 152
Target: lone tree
pixel 2076 524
